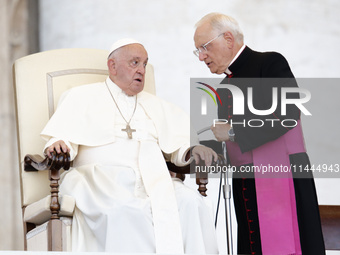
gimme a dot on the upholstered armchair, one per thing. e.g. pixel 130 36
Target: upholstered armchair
pixel 39 81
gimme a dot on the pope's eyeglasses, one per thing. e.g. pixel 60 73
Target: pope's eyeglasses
pixel 203 48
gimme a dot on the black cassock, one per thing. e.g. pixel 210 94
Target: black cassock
pixel 262 72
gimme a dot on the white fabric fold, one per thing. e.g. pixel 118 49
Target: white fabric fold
pixel 159 187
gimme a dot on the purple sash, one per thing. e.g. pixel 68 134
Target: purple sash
pixel 275 190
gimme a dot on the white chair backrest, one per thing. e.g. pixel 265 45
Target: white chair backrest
pixel 39 81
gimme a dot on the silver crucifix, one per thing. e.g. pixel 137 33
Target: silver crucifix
pixel 129 131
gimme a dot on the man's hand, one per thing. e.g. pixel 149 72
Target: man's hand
pixel 204 153
pixel 58 146
pixel 221 131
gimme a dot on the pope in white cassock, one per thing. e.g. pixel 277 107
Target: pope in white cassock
pixel 118 137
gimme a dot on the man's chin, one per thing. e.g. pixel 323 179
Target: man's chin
pixel 216 71
pixel 134 89
pixel 137 89
pixel 213 70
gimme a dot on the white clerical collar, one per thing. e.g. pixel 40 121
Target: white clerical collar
pixel 236 56
pixel 120 96
pixel 115 90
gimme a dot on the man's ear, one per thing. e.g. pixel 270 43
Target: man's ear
pixel 228 36
pixel 111 64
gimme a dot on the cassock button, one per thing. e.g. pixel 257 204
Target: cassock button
pixel 248 210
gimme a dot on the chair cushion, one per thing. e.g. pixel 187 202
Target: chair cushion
pixel 39 212
pixel 37 239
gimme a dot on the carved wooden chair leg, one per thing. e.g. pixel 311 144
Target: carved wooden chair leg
pixel 55 224
pixel 58 161
pixel 202 182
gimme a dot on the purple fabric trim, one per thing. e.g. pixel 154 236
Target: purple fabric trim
pixel 275 190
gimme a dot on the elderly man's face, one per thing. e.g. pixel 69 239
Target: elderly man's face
pixel 127 68
pixel 219 52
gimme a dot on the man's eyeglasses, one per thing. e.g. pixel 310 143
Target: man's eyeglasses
pixel 203 48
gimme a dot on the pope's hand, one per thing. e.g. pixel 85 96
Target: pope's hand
pixel 220 131
pixel 204 153
pixel 58 146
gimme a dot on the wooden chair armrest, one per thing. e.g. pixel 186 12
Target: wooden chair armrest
pixel 53 164
pixel 38 163
pixel 178 169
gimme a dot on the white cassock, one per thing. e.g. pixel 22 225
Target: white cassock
pixel 126 200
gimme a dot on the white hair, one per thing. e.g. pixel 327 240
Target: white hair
pixel 222 23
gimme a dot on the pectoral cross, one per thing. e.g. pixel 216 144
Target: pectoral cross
pixel 129 131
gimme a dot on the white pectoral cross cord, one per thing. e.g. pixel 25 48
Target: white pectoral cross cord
pixel 129 131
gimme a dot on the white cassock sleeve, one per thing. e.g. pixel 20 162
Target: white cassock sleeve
pixel 178 157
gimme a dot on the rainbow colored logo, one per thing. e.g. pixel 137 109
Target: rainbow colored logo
pixel 209 93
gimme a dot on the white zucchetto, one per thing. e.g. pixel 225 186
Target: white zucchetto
pixel 122 42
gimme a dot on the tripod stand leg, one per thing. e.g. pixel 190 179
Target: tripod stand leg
pixel 227 206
